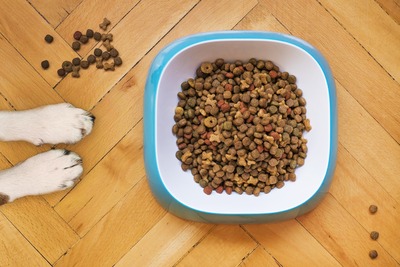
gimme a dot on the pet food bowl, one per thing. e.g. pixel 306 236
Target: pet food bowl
pixel 176 190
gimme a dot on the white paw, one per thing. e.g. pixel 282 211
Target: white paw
pixel 44 173
pixel 52 124
pixel 63 123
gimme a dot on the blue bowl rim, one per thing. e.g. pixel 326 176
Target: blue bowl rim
pixel 161 193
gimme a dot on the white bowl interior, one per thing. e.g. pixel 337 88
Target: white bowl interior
pixel 310 78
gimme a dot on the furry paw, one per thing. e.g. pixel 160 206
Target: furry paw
pixel 44 173
pixel 52 124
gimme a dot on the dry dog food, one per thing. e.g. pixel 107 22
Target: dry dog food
pixel 373 209
pixel 373 254
pixel 45 64
pixel 239 126
pixel 48 38
pixel 102 57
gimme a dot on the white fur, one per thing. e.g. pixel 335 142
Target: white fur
pixel 52 170
pixel 52 124
pixel 44 173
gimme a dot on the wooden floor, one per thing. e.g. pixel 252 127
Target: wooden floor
pixel 111 218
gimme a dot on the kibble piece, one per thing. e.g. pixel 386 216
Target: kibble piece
pixel 206 67
pixel 76 61
pixel 109 65
pixel 105 55
pixel 99 63
pixel 75 71
pixel 97 36
pixel 84 64
pixel 77 35
pixel 114 52
pixel 61 72
pixel 91 59
pixel 84 39
pixel 373 209
pixel 117 61
pixel 45 64
pixel 98 52
pixel 76 45
pixel 104 24
pixel 67 66
pixel 89 33
pixel 374 235
pixel 373 254
pixel 108 45
pixel 48 38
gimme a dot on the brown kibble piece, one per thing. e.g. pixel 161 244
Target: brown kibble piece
pixel 76 61
pixel 84 64
pixel 108 45
pixel 114 52
pixel 117 61
pixel 206 67
pixel 76 45
pixel 105 55
pixel 99 63
pixel 77 35
pixel 373 254
pixel 104 24
pixel 89 33
pixel 97 36
pixel 107 37
pixel 45 64
pixel 109 65
pixel 75 71
pixel 61 72
pixel 48 38
pixel 67 66
pixel 374 235
pixel 91 59
pixel 84 39
pixel 97 52
pixel 373 209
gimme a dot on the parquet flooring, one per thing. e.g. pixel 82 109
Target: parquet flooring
pixel 111 218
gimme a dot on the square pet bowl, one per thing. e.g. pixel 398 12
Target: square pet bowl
pixel 176 190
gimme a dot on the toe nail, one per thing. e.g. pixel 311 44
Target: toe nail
pixel 67 152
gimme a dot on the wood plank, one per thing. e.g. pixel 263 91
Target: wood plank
pixel 222 240
pixel 118 231
pixel 78 20
pixel 15 249
pixel 19 33
pixel 374 148
pixel 392 7
pixel 167 242
pixel 44 229
pixel 359 19
pixel 352 63
pixel 290 238
pixel 124 114
pixel 259 257
pixel 131 48
pixel 356 190
pixel 55 11
pixel 114 176
pixel 343 236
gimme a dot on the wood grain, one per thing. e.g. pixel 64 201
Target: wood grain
pixel 111 218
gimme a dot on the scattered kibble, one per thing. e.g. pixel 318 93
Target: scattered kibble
pixel 61 72
pixel 98 52
pixel 104 24
pixel 91 59
pixel 75 71
pixel 97 36
pixel 109 66
pixel 77 35
pixel 89 33
pixel 84 64
pixel 374 235
pixel 373 254
pixel 76 45
pixel 76 61
pixel 114 52
pixel 239 126
pixel 84 39
pixel 48 38
pixel 67 66
pixel 373 209
pixel 98 57
pixel 117 61
pixel 45 64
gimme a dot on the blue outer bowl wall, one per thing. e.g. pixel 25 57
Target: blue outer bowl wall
pixel 165 199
